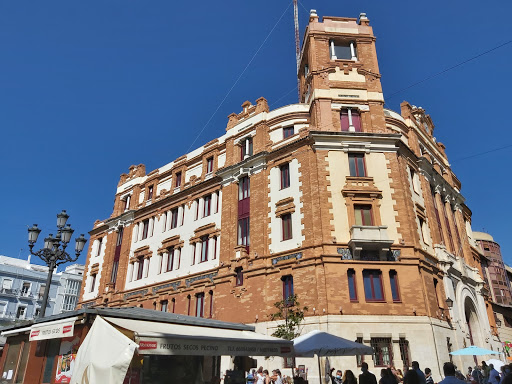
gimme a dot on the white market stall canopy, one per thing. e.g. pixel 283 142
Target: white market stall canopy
pixel 157 338
pixel 325 344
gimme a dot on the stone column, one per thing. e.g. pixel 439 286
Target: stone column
pixel 353 51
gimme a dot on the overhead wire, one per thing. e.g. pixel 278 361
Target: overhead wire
pixel 238 79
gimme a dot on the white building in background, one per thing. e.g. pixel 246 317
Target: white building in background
pixel 22 286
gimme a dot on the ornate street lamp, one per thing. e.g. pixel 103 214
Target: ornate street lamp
pixel 449 303
pixel 54 252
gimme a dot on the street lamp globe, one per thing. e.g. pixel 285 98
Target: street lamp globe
pixel 49 241
pixel 80 243
pixel 33 234
pixel 62 218
pixel 67 231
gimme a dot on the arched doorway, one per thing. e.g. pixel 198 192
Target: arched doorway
pixel 472 324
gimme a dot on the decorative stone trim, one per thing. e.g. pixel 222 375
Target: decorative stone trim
pixel 285 206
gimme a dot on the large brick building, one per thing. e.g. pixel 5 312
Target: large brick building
pixel 349 205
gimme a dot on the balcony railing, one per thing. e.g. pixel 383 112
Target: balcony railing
pixel 19 293
pixel 369 238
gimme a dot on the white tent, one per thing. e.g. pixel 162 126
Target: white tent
pixel 325 344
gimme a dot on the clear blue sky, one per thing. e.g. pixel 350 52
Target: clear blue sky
pixel 89 88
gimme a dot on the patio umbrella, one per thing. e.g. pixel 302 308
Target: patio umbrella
pixel 473 351
pixel 325 344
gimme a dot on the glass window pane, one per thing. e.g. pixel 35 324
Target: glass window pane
pixel 367 286
pixel 342 52
pixel 358 216
pixel 352 165
pixel 23 363
pixel 377 287
pixel 352 285
pixel 360 166
pixel 52 350
pixel 367 218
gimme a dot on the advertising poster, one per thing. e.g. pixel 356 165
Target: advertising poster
pixel 66 359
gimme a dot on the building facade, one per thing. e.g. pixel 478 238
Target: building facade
pixel 497 276
pixel 351 206
pixel 23 285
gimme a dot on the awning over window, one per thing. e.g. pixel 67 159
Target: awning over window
pixel 53 329
pixel 175 339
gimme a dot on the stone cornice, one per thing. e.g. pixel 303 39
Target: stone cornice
pixel 348 141
pixel 441 186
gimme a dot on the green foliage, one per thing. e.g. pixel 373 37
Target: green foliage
pixel 292 313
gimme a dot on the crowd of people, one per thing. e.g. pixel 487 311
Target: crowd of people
pixel 262 376
pixel 484 374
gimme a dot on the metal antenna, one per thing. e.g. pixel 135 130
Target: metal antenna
pixel 297 41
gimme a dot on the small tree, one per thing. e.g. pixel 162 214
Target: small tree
pixel 292 313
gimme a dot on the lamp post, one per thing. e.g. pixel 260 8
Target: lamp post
pixel 54 252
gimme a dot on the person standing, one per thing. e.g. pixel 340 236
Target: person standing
pixel 428 376
pixel 336 379
pixel 349 378
pixel 366 377
pixel 416 366
pixel 494 375
pixel 260 379
pixel 485 372
pixel 449 375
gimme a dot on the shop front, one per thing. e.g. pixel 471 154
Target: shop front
pixel 133 346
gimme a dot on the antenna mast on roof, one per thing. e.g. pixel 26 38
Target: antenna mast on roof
pixel 297 41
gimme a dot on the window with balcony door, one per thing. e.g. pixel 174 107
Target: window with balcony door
pixel 126 203
pixel 286 221
pixel 163 305
pixel 177 183
pixel 200 305
pixel 209 165
pixel 363 215
pixel 40 295
pixel 21 312
pixel 284 171
pixel 350 120
pixel 246 148
pixel 356 165
pixel 6 285
pixel 150 192
pixel 25 289
pixel 372 280
pixel 174 218
pixel 243 211
pixel 98 246
pixel 93 282
pixel 117 255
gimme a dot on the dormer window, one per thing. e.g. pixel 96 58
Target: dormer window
pixel 343 50
pixel 350 120
pixel 150 192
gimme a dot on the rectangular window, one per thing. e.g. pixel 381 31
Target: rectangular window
pixel 217 197
pixel 197 209
pixel 42 287
pixel 287 287
pixel 246 147
pixel 204 248
pixel 214 248
pixel 352 290
pixel 21 312
pixel 200 305
pixel 163 305
pixel 356 164
pixel 25 289
pixel 382 352
pixel 170 259
pixel 449 230
pixel 359 358
pixel 350 120
pixel 243 232
pixel 188 305
pixel 287 132
pixel 243 188
pixel 193 253
pixel 182 214
pixel 145 228
pixel 98 250
pixel 363 214
pixel 177 183
pixel 405 353
pixel 174 218
pixel 372 279
pixel 140 267
pixel 211 304
pixel 287 226
pixel 173 305
pixel 150 192
pixel 209 165
pixel 393 279
pixel 93 282
pixel 207 209
pixel 342 50
pixel 285 175
pixel 438 219
pixel 126 203
pixel 438 303
pixel 414 181
pixel 239 276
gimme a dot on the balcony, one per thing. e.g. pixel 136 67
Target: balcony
pixel 369 242
pixel 9 292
